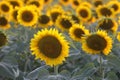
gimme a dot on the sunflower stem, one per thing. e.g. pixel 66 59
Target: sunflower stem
pixel 101 67
pixel 56 69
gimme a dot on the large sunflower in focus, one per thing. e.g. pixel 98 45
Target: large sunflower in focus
pixel 5 8
pixel 84 13
pixel 96 43
pixel 4 23
pixel 77 32
pixel 50 46
pixel 64 22
pixel 103 10
pixel 108 24
pixel 27 16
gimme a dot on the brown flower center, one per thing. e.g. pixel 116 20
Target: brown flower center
pixel 115 7
pixel 106 12
pixel 66 23
pixel 36 3
pixel 107 24
pixel 76 3
pixel 44 19
pixel 3 21
pixel 4 7
pixel 97 3
pixel 27 16
pixel 96 42
pixel 14 3
pixel 15 13
pixel 78 33
pixel 54 16
pixel 83 13
pixel 50 46
pixel 76 19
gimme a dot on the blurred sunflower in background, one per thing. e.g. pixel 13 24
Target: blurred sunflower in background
pixel 47 2
pixel 77 32
pixel 97 3
pixel 13 15
pixel 5 8
pixel 115 5
pixel 76 19
pixel 27 16
pixel 4 23
pixel 104 11
pixel 37 3
pixel 50 46
pixel 3 39
pixel 107 24
pixel 98 42
pixel 44 20
pixel 75 3
pixel 16 3
pixel 55 12
pixel 84 13
pixel 86 4
pixel 64 22
pixel 118 36
pixel 64 2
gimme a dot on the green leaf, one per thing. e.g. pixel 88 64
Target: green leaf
pixel 114 62
pixel 38 73
pixel 6 70
pixel 111 76
pixel 88 70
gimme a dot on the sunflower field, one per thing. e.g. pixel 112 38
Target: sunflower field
pixel 59 40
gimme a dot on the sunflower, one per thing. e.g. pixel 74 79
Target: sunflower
pixel 77 32
pixel 4 23
pixel 64 2
pixel 16 3
pixel 75 3
pixel 115 5
pixel 3 39
pixel 97 3
pixel 86 4
pixel 37 3
pixel 47 2
pixel 97 42
pixel 5 7
pixel 27 16
pixel 50 46
pixel 55 12
pixel 84 13
pixel 108 24
pixel 118 36
pixel 13 15
pixel 103 10
pixel 64 22
pixel 44 21
pixel 76 19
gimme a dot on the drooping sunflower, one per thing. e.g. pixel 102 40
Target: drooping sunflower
pixel 44 20
pixel 77 32
pixel 97 3
pixel 37 3
pixel 64 22
pixel 107 24
pixel 5 7
pixel 75 3
pixel 13 15
pixel 64 2
pixel 27 16
pixel 98 42
pixel 3 39
pixel 103 10
pixel 55 12
pixel 50 46
pixel 115 5
pixel 4 23
pixel 16 3
pixel 84 13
